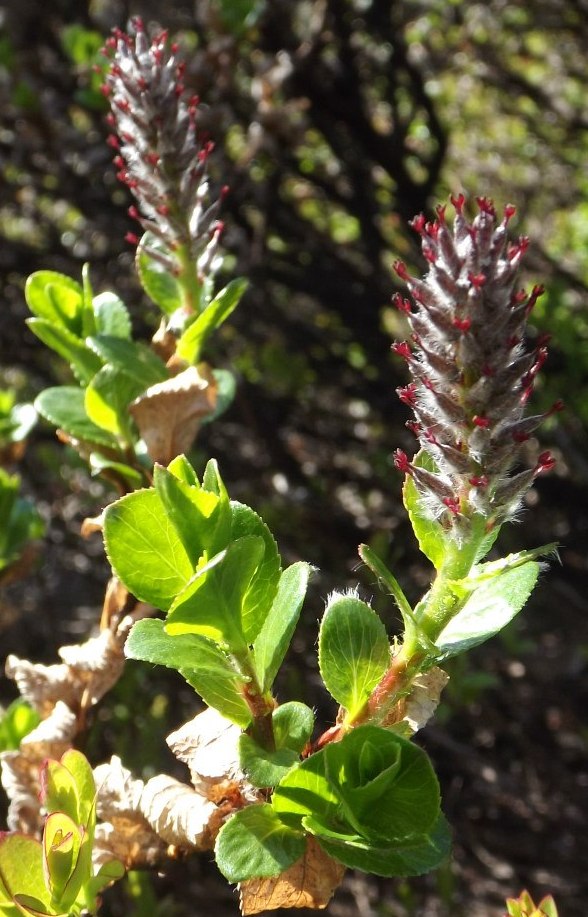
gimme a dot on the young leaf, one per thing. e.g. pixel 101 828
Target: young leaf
pixel 354 652
pixel 21 871
pixel 135 359
pixel 16 722
pixel 214 603
pixel 190 344
pixel 107 400
pixel 201 518
pixel 489 608
pixel 117 470
pixel 145 550
pixel 429 532
pixel 181 469
pixel 111 316
pixel 79 767
pixel 273 640
pixel 379 568
pixel 83 361
pixel 159 284
pixel 263 587
pixel 292 726
pixel 57 298
pixel 62 841
pixel 225 393
pixel 200 661
pixel 64 407
pixel 264 768
pixel 254 842
pixel 413 857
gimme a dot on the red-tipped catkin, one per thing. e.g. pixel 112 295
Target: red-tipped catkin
pixel 159 154
pixel 471 372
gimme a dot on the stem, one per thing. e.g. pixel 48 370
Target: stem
pixel 261 704
pixel 188 280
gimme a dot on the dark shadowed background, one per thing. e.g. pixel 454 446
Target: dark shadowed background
pixel 335 121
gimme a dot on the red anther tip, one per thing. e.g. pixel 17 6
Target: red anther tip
pixel 458 202
pixel 462 324
pixel 452 504
pixel 402 349
pixel 402 304
pixel 509 212
pixel 407 394
pixel 401 269
pixel 482 422
pixel 545 462
pixel 477 280
pixel 401 462
pixel 418 223
pixel 132 238
pixel 486 205
pixel 479 481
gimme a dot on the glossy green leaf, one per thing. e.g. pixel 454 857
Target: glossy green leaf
pixel 214 603
pixel 388 581
pixel 386 785
pixel 274 638
pixel 264 768
pixel 201 518
pixel 354 652
pixel 115 471
pixel 61 847
pixel 111 316
pixel 413 857
pixel 107 400
pixel 16 722
pixel 201 662
pixel 107 874
pixel 144 549
pixel 260 595
pixel 190 344
pixel 254 842
pixel 429 532
pixel 136 360
pixel 57 298
pixel 225 393
pixel 181 469
pixel 79 767
pixel 64 407
pixel 84 362
pixel 292 725
pixel 490 607
pixel 21 869
pixel 88 317
pixel 371 786
pixel 159 284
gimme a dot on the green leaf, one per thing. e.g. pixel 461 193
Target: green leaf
pixel 225 393
pixel 83 362
pixel 79 767
pixel 263 587
pixel 101 465
pixel 159 284
pixel 429 533
pixel 489 608
pixel 254 842
pixel 57 298
pixel 415 856
pixel 354 652
pixel 274 638
pixel 107 874
pixel 145 550
pixel 292 725
pixel 386 784
pixel 201 662
pixel 190 344
pixel 64 407
pixel 387 580
pixel 62 841
pixel 111 316
pixel 107 400
pixel 372 786
pixel 15 723
pixel 21 870
pixel 264 768
pixel 181 469
pixel 214 603
pixel 201 518
pixel 136 360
